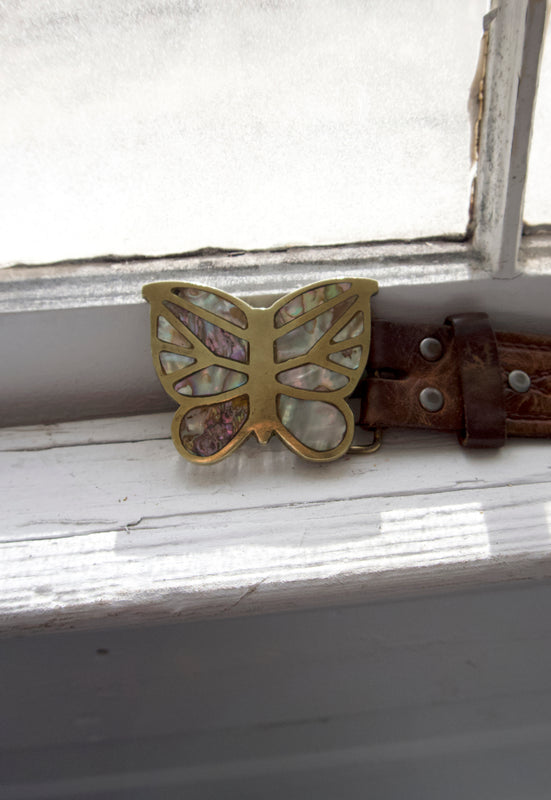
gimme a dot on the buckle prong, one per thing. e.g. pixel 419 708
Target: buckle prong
pixel 366 449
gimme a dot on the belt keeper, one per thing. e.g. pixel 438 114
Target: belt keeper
pixel 481 381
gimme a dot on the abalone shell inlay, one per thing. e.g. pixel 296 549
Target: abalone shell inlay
pixel 320 426
pixel 168 333
pixel 351 329
pixel 172 362
pixel 209 381
pixel 313 377
pixel 306 301
pixel 350 357
pixel 220 342
pixel 214 303
pixel 206 430
pixel 301 339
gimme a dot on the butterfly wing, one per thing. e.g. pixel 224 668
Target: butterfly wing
pixel 321 346
pixel 201 356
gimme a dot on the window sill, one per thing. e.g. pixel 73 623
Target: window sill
pixel 108 525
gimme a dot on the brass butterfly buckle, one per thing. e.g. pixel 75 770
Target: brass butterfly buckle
pixel 287 370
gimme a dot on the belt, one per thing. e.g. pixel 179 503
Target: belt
pixel 461 376
pixel 289 371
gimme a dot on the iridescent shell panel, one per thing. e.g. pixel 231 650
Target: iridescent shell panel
pixel 216 339
pixel 317 425
pixel 172 362
pixel 210 380
pixel 351 329
pixel 307 301
pixel 313 377
pixel 301 339
pixel 168 333
pixel 212 302
pixel 205 430
pixel 350 357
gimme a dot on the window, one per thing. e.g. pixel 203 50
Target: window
pixel 538 196
pixel 103 527
pixel 160 128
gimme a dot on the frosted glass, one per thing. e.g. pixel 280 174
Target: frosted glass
pixel 537 208
pixel 153 127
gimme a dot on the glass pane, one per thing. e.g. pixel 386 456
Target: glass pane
pixel 159 127
pixel 537 208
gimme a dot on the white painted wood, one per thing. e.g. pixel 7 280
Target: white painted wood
pixel 415 661
pixel 259 277
pixel 514 51
pixel 104 522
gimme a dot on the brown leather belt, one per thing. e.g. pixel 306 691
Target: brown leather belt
pixel 461 376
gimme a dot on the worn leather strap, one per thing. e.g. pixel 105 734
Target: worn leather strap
pixel 482 389
pixel 472 375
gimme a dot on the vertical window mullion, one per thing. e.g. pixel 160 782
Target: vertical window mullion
pixel 516 33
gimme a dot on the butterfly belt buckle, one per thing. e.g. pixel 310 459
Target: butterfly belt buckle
pixel 236 370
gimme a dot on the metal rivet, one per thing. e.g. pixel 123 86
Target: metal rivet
pixel 431 399
pixel 519 380
pixel 430 349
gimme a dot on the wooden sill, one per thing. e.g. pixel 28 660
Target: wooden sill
pixel 105 524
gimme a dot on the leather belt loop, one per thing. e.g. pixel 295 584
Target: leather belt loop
pixel 481 381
